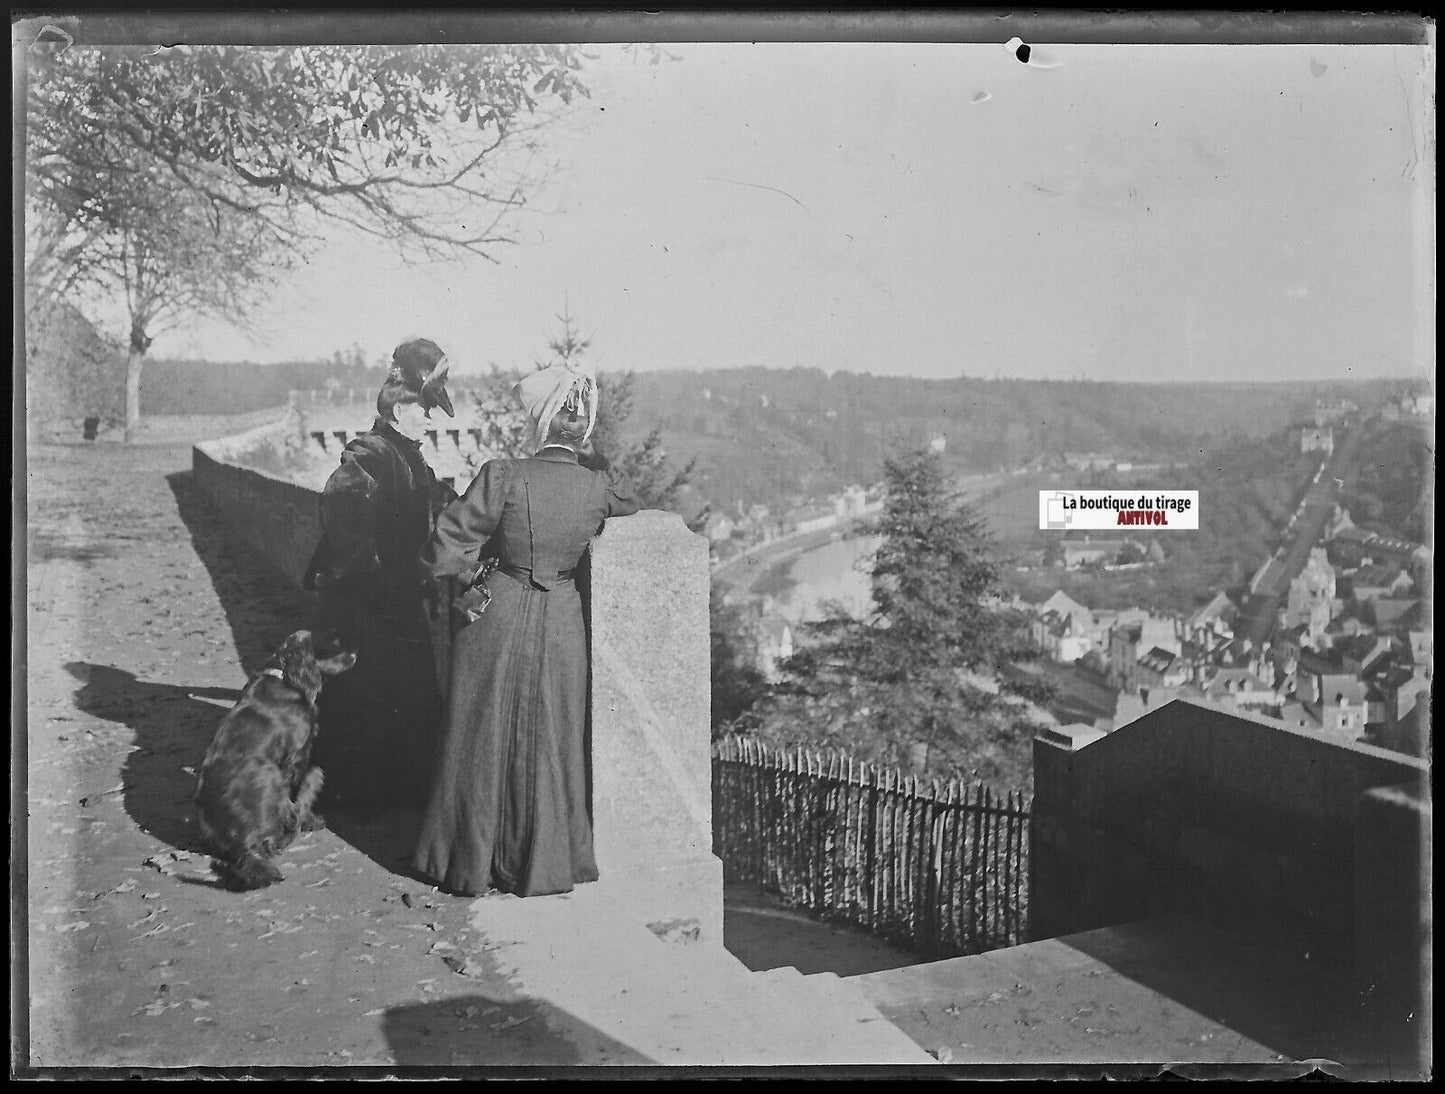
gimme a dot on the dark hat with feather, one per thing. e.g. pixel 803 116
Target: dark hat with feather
pixel 418 375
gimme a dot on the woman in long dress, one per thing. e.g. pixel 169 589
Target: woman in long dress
pixel 508 806
pixel 379 723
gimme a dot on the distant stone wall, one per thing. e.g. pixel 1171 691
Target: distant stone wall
pixel 279 520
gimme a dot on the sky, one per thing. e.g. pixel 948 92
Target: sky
pixel 1109 212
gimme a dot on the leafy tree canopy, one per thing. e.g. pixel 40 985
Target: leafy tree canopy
pixel 925 677
pixel 388 139
pixel 186 178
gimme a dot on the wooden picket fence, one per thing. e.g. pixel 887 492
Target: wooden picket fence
pixel 940 867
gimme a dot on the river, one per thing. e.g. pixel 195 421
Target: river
pixel 835 571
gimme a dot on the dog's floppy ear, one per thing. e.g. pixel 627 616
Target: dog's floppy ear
pixel 338 663
pixel 297 661
pixel 331 656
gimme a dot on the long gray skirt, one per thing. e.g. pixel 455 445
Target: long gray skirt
pixel 508 805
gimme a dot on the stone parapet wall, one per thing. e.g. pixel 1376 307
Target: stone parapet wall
pixel 278 520
pixel 1200 809
pixel 1321 845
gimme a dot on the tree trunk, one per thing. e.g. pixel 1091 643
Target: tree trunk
pixel 133 364
pixel 139 343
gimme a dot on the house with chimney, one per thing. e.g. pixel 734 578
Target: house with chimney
pixel 1134 633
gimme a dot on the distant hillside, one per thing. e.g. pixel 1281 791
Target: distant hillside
pixel 765 434
pixel 770 435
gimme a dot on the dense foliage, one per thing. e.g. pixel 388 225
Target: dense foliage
pixel 183 179
pixel 72 371
pixel 761 435
pixel 922 681
pixel 1388 492
pixel 737 684
pixel 388 139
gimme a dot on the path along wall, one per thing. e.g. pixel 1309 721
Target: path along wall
pixel 646 583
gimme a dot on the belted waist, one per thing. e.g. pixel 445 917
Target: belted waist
pixel 524 575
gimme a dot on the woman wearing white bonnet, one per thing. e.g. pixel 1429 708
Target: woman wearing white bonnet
pixel 508 805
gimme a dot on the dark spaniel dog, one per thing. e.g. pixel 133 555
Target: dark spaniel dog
pixel 257 784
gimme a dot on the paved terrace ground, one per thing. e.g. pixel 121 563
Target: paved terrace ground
pixel 143 622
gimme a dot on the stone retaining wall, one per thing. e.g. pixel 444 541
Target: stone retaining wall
pixel 1248 822
pixel 279 520
pixel 1195 808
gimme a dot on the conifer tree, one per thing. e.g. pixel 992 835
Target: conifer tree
pixel 925 677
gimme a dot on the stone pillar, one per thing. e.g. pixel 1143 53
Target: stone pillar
pixel 650 719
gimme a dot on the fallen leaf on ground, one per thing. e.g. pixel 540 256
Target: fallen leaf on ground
pixel 155 1008
pixel 100 794
pixel 464 966
pixel 167 860
pixel 508 1023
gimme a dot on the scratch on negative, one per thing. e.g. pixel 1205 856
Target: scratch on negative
pixel 761 186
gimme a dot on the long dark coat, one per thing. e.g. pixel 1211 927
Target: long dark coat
pixel 378 723
pixel 508 806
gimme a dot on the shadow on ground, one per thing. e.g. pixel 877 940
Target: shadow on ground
pixel 488 1031
pixel 763 932
pixel 387 837
pixel 173 725
pixel 261 612
pixel 1254 982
